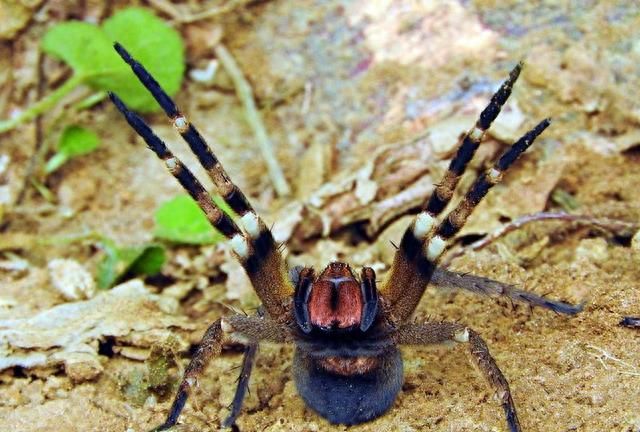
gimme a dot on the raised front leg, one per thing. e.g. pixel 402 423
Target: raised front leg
pixel 252 242
pixel 441 332
pixel 425 240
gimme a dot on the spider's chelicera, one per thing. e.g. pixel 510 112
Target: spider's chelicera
pixel 346 330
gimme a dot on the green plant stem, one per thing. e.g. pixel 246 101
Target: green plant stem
pixel 23 241
pixel 90 101
pixel 243 89
pixel 43 105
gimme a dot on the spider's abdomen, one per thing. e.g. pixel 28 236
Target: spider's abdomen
pixel 348 398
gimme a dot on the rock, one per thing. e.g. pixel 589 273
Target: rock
pixel 82 366
pixel 68 334
pixel 595 250
pixel 71 279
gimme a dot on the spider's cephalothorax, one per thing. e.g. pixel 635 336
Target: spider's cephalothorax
pixel 347 366
pixel 335 301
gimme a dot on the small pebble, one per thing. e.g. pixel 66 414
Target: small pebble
pixel 635 242
pixel 71 279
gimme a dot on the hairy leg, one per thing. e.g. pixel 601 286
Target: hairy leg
pixel 425 240
pixel 492 288
pixel 468 146
pixel 248 360
pixel 430 333
pixel 255 247
pixel 236 328
pixel 210 346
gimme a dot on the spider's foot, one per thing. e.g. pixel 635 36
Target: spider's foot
pixel 631 322
pixel 564 308
pixel 163 427
pixel 512 418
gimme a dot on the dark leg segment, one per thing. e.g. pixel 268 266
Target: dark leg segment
pixel 229 191
pixel 485 286
pixel 470 143
pixel 631 322
pixel 258 251
pixel 248 361
pixel 221 221
pixel 458 216
pixel 440 332
pixel 210 346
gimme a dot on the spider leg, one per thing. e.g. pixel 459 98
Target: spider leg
pixel 424 241
pixel 220 220
pixel 430 333
pixel 458 216
pixel 236 328
pixel 228 190
pixel 485 286
pixel 210 346
pixel 631 322
pixel 470 143
pixel 248 360
pixel 257 250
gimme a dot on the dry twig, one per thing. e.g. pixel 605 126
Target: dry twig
pixel 243 89
pixel 612 225
pixel 176 14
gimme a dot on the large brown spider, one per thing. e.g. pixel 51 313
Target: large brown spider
pixel 347 366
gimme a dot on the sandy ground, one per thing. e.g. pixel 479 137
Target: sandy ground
pixel 337 83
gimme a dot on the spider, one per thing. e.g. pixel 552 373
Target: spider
pixel 347 366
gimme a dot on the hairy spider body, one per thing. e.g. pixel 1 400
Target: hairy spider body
pixel 347 371
pixel 344 395
pixel 347 366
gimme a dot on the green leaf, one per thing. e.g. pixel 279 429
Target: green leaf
pixel 565 200
pixel 107 271
pixel 128 261
pixel 149 262
pixel 84 47
pixel 154 44
pixel 75 141
pixel 180 220
pixel 88 49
